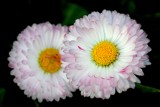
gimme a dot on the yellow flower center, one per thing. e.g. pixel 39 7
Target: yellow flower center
pixel 50 60
pixel 104 53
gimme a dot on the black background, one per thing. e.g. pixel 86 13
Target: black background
pixel 16 15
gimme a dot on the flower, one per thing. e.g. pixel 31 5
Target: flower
pixel 37 65
pixel 105 51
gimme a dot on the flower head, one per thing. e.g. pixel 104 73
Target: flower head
pixel 36 62
pixel 104 52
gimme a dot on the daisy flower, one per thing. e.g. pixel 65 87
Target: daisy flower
pixel 105 51
pixel 37 65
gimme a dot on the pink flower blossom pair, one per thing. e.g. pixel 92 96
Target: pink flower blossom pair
pixel 99 54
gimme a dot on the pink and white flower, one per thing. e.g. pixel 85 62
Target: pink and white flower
pixel 105 51
pixel 37 65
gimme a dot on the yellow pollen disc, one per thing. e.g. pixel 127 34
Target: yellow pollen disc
pixel 104 53
pixel 50 60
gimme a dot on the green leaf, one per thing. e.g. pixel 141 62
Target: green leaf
pixel 151 15
pixel 157 15
pixel 131 6
pixel 72 12
pixel 147 89
pixel 2 92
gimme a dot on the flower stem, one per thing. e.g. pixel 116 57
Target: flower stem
pixel 36 104
pixel 147 89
